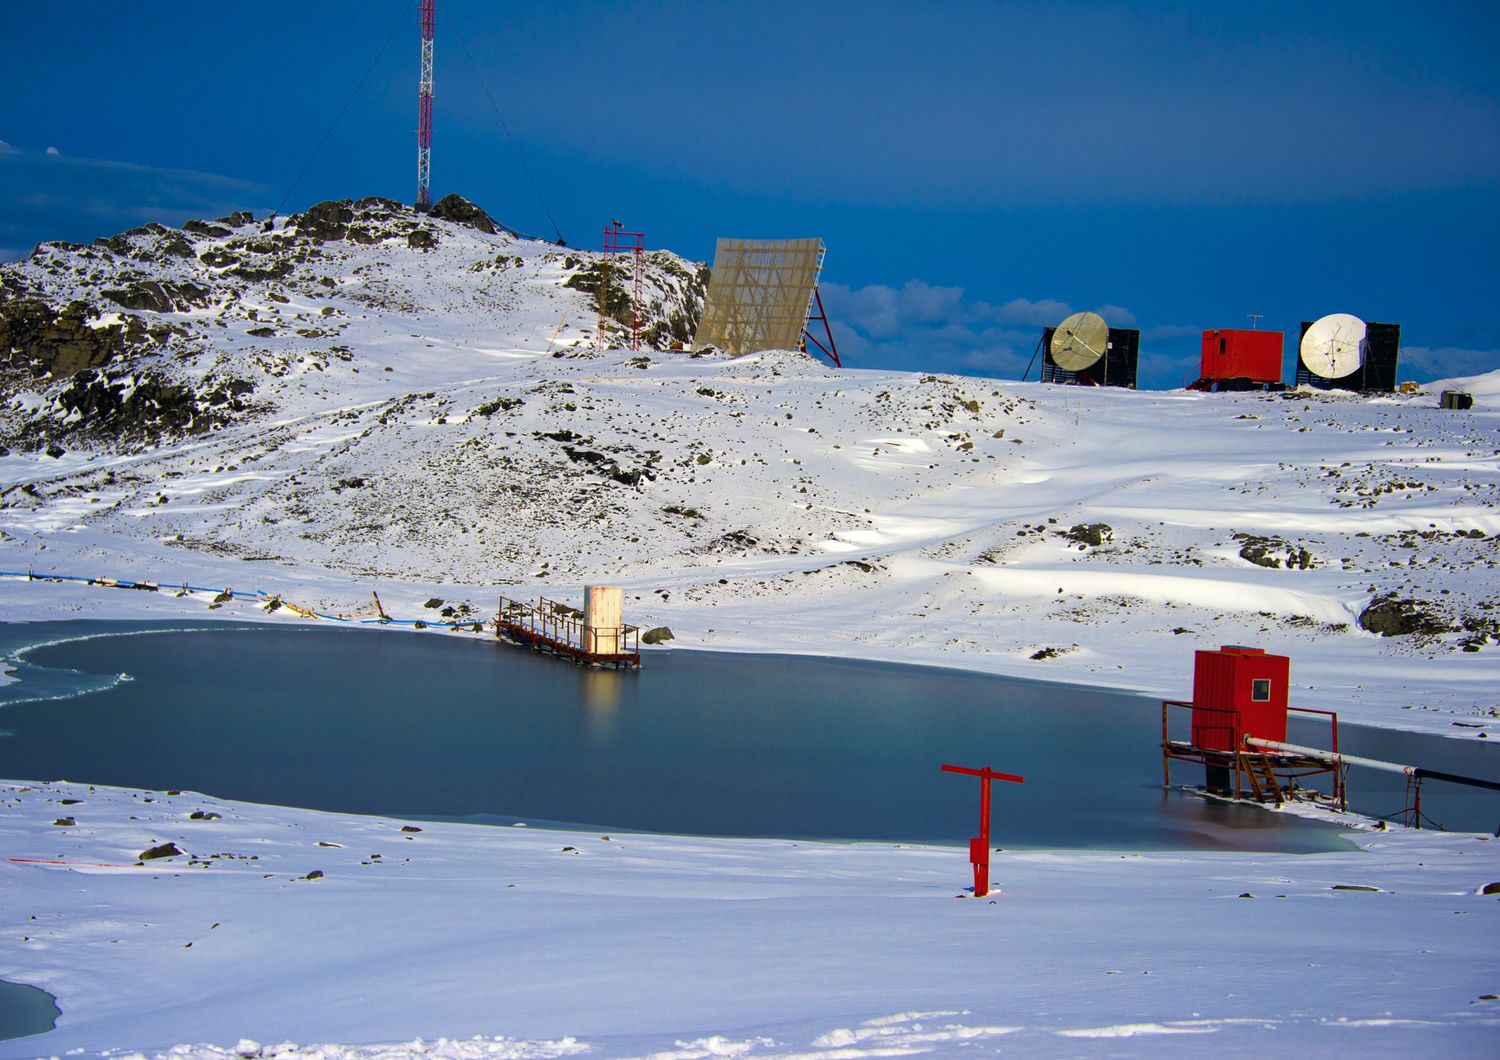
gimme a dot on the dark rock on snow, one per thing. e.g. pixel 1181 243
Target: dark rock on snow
pixel 1393 617
pixel 159 297
pixel 326 221
pixel 47 341
pixel 1273 552
pixel 459 210
pixel 165 850
pixel 1094 534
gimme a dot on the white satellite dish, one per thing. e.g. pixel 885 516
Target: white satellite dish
pixel 1079 342
pixel 1334 346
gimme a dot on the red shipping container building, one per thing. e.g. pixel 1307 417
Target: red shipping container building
pixel 1239 692
pixel 1239 354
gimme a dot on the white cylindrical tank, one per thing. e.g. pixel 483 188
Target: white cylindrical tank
pixel 602 623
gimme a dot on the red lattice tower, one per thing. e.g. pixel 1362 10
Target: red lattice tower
pixel 619 241
pixel 428 16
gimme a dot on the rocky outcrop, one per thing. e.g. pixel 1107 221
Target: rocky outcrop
pixel 669 322
pixel 205 230
pixel 159 297
pixel 461 211
pixel 614 278
pixel 1394 617
pixel 45 341
pixel 1092 534
pixel 95 403
pixel 325 222
pixel 1273 552
pixel 152 242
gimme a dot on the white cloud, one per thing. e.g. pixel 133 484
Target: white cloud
pixel 1116 316
pixel 1446 362
pixel 924 327
pixel 881 311
pixel 53 152
pixel 7 149
pixel 1042 313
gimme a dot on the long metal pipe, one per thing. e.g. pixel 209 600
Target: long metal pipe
pixel 1372 763
pixel 1318 752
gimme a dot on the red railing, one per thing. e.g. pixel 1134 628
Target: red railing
pixel 1232 729
pixel 1333 724
pixel 1195 734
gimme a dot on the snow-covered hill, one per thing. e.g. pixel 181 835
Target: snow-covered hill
pixel 370 398
pixel 179 331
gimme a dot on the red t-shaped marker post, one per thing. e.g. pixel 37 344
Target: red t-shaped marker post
pixel 979 846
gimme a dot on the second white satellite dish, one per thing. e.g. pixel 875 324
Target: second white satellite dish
pixel 1079 342
pixel 1334 346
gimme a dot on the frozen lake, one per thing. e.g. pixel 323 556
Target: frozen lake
pixel 437 725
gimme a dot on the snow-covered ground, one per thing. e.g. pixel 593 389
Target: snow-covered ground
pixel 768 502
pixel 634 945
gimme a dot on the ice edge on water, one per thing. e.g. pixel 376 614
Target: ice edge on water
pixel 20 666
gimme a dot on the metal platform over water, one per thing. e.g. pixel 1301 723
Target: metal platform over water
pixel 558 629
pixel 1263 774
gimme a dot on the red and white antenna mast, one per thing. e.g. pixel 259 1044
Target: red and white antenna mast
pixel 428 16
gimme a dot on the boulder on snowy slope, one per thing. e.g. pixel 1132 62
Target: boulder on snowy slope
pixel 164 850
pixel 459 210
pixel 143 406
pixel 159 296
pixel 43 340
pixel 149 243
pixel 1394 617
pixel 1273 552
pixel 325 221
pixel 1094 534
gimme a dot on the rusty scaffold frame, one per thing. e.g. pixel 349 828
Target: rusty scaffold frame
pixel 618 241
pixel 558 629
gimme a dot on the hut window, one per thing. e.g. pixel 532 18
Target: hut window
pixel 1260 690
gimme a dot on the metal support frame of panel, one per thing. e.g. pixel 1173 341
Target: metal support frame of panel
pixel 817 314
pixel 827 345
pixel 761 294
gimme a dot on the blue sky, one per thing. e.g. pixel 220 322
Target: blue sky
pixel 977 170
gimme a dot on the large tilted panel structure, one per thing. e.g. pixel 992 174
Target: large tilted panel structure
pixel 760 294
